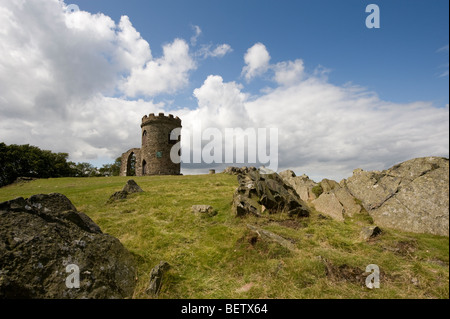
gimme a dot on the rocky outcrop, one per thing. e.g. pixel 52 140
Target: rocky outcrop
pixel 348 202
pixel 302 184
pixel 411 196
pixel 259 192
pixel 328 185
pixel 333 200
pixel 328 204
pixel 50 250
pixel 336 201
pixel 233 170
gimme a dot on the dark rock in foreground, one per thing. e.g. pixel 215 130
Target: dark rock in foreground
pixel 45 241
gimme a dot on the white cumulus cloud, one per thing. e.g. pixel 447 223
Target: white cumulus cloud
pixel 163 75
pixel 257 60
pixel 288 73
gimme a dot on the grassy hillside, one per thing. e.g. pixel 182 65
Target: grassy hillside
pixel 219 257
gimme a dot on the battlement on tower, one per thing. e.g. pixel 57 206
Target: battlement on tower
pixel 160 118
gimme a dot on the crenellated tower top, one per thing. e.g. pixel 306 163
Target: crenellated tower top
pixel 160 118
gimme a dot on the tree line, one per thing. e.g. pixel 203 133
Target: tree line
pixel 30 161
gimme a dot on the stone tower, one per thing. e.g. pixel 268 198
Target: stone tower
pixel 153 158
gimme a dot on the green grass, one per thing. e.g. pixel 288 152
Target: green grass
pixel 215 257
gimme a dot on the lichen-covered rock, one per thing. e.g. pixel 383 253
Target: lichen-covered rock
pixel 411 196
pixel 156 278
pixel 302 184
pixel 204 209
pixel 117 196
pixel 328 204
pixel 42 235
pixel 132 187
pixel 369 232
pixel 233 170
pixel 348 202
pixel 266 192
pixel 328 185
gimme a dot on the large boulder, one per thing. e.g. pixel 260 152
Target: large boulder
pixel 348 202
pixel 260 191
pixel 303 185
pixel 328 185
pixel 411 196
pixel 328 204
pixel 336 201
pixel 47 247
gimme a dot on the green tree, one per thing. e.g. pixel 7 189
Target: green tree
pixel 116 166
pixel 85 170
pixel 30 161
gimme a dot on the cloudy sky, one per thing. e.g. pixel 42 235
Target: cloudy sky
pixel 341 95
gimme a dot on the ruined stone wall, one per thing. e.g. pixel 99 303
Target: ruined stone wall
pixel 156 145
pixel 125 164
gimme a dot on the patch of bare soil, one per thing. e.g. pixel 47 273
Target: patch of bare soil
pixel 405 248
pixel 344 272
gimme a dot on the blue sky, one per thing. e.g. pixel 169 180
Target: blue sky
pixel 341 96
pixel 400 61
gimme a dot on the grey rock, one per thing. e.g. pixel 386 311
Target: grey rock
pixel 337 203
pixel 204 209
pixel 328 204
pixel 369 232
pixel 302 184
pixel 156 277
pixel 232 170
pixel 118 196
pixel 43 234
pixel 287 174
pixel 272 237
pixel 347 201
pixel 268 192
pixel 411 196
pixel 132 187
pixel 328 185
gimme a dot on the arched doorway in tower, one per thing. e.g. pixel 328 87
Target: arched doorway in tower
pixel 131 164
pixel 144 167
